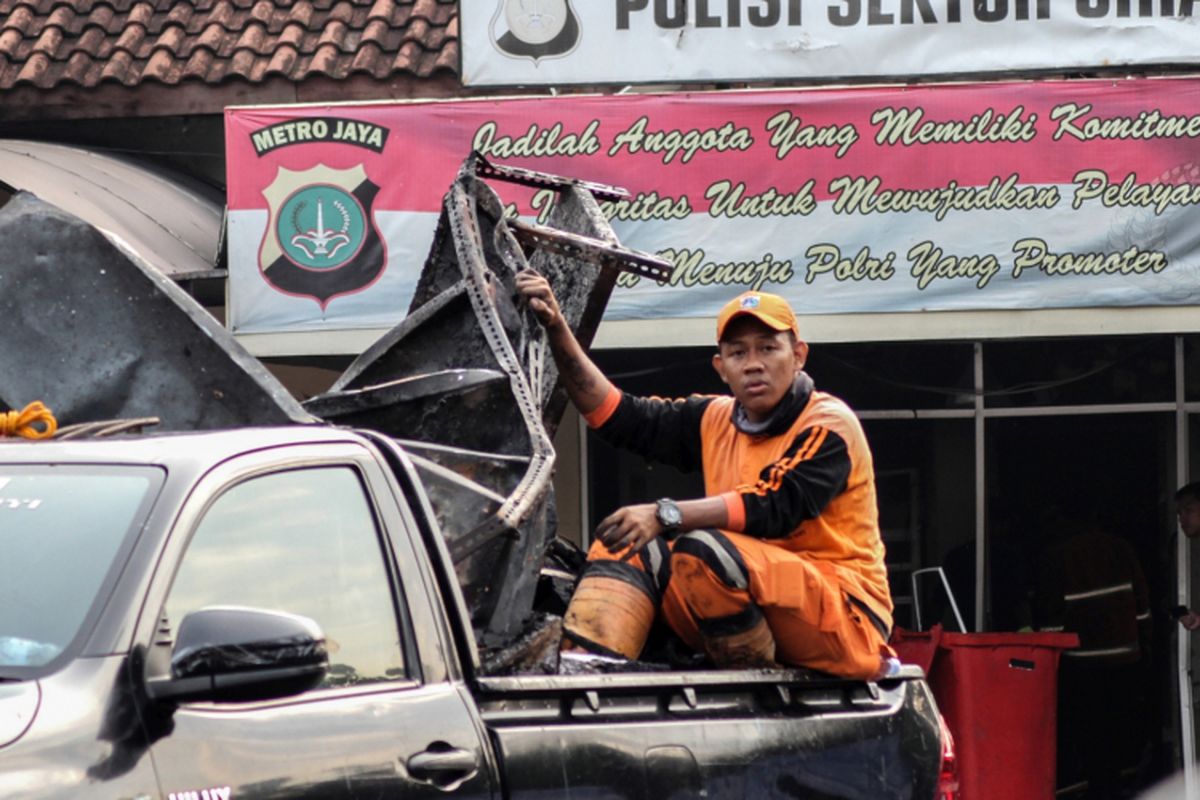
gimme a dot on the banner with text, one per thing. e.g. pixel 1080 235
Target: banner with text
pixel 994 196
pixel 557 42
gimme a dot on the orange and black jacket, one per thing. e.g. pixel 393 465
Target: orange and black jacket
pixel 806 482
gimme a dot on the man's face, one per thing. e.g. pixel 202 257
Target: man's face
pixel 1189 517
pixel 758 364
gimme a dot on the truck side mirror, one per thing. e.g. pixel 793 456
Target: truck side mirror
pixel 235 654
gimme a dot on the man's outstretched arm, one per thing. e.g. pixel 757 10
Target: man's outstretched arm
pixel 633 526
pixel 585 383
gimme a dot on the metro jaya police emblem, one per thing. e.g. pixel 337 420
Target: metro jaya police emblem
pixel 321 240
pixel 535 29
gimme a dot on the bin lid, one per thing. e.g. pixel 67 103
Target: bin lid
pixel 1056 640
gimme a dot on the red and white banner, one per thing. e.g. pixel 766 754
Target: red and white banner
pixel 986 196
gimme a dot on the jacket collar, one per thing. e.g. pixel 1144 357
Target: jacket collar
pixel 784 414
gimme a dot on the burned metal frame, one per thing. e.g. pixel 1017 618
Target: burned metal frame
pixel 465 381
pixel 471 390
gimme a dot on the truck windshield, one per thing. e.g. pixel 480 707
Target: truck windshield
pixel 61 529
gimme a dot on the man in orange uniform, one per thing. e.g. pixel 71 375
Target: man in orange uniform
pixel 781 561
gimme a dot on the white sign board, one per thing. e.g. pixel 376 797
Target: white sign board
pixel 559 42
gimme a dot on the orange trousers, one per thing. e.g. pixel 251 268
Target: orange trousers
pixel 722 583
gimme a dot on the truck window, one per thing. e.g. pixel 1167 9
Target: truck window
pixel 304 542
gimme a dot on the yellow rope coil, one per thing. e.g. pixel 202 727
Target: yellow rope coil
pixel 24 423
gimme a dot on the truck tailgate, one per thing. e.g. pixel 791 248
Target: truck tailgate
pixel 708 734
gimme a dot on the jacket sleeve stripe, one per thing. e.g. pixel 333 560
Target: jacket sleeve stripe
pixel 775 476
pixel 798 486
pixel 809 447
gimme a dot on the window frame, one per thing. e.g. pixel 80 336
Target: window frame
pixel 263 463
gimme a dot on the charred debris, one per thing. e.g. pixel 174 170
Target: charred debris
pixel 465 382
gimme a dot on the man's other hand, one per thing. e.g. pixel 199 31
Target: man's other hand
pixel 536 289
pixel 630 528
pixel 1190 620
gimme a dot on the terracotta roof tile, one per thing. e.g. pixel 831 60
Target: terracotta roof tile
pixel 83 43
pixel 343 11
pixel 140 14
pixel 102 17
pixel 376 33
pixel 23 19
pixel 77 68
pixel 419 31
pixel 222 14
pixel 162 67
pixel 243 63
pixel 34 70
pixel 10 42
pixel 93 43
pixel 336 32
pixel 257 71
pixel 282 60
pixel 179 14
pixel 210 38
pixel 49 42
pixel 61 17
pixel 217 70
pixel 117 67
pixel 324 61
pixel 446 58
pixel 290 37
pixel 199 64
pixel 367 59
pixel 382 9
pixel 252 38
pixel 130 39
pixel 173 38
pixel 301 13
pixel 410 57
pixel 262 11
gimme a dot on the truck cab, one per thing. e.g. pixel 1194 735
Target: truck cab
pixel 115 546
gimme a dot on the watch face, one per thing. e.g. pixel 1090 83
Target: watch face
pixel 669 514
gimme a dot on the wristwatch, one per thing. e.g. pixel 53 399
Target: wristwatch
pixel 668 515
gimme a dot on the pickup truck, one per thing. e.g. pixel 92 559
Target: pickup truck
pixel 272 612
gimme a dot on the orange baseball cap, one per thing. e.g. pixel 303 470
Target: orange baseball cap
pixel 769 309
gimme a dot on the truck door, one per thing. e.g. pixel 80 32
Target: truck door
pixel 308 541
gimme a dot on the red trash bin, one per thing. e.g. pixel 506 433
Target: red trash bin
pixel 998 693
